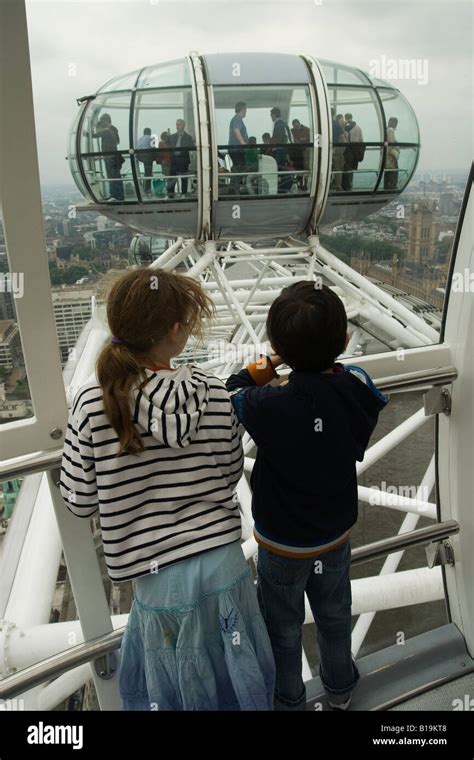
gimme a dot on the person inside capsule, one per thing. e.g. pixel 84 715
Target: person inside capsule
pixel 238 138
pixel 113 160
pixel 280 138
pixel 179 143
pixel 390 178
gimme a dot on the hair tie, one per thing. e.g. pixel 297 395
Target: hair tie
pixel 114 339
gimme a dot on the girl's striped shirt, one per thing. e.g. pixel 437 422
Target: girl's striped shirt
pixel 174 499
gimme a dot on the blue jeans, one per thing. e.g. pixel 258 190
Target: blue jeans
pixel 282 582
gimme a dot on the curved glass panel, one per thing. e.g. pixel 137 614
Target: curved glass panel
pixel 122 82
pixel 95 137
pixel 164 139
pixel 406 165
pixel 255 68
pixel 364 108
pixel 264 140
pixel 381 83
pixel 110 176
pixel 104 136
pixel 334 73
pixel 76 175
pixel 95 172
pixel 400 163
pixel 356 120
pixel 73 130
pixel 125 180
pixel 172 74
pixel 144 249
pixel 395 106
pixel 72 158
pixel 346 176
pixel 366 175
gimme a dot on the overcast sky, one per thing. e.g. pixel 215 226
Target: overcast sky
pixel 104 38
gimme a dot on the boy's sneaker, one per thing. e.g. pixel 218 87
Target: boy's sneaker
pixel 341 705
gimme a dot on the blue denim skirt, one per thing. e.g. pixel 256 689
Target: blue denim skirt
pixel 196 640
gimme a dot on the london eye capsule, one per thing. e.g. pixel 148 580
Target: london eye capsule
pixel 242 146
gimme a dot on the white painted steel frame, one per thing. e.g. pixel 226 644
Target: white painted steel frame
pixel 455 434
pixel 20 199
pixel 205 261
pixel 321 154
pixel 241 299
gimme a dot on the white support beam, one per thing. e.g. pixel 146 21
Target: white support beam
pixel 22 218
pixel 385 299
pixel 391 563
pixel 169 253
pixel 31 595
pixel 390 592
pixel 87 585
pixel 395 501
pixel 391 440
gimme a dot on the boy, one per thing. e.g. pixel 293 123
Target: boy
pixel 309 432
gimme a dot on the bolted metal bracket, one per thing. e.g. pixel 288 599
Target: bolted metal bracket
pixel 437 400
pixel 106 666
pixel 56 476
pixel 440 553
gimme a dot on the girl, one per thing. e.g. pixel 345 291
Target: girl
pixel 157 450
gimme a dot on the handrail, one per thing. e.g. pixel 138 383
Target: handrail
pixel 49 460
pixel 418 379
pixel 34 675
pixel 435 532
pixel 42 671
pixel 41 461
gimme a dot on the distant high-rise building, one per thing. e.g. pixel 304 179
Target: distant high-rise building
pixel 66 228
pixel 10 346
pixel 64 252
pixel 446 204
pixel 422 232
pixel 72 310
pixel 102 222
pixel 7 306
pixel 49 226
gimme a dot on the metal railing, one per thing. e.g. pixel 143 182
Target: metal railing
pixel 39 462
pixel 436 532
pixel 418 379
pixel 49 460
pixel 53 666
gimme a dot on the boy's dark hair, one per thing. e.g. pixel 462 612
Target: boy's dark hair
pixel 307 326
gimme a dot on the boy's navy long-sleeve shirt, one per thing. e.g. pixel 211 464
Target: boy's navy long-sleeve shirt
pixel 309 433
